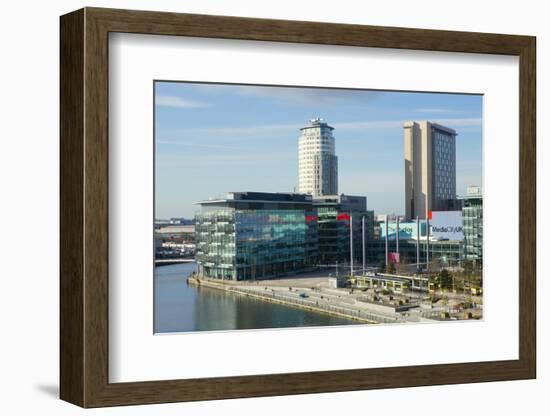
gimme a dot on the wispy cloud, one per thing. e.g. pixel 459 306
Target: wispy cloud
pixel 391 124
pixel 252 129
pixel 298 96
pixel 366 125
pixel 439 111
pixel 312 96
pixel 178 102
pixel 199 145
pixel 225 160
pixel 352 125
pixel 460 122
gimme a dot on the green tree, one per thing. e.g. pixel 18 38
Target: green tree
pixel 468 267
pixel 445 279
pixel 391 268
pixel 382 267
pixel 433 281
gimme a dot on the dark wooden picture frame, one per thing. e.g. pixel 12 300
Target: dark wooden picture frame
pixel 84 207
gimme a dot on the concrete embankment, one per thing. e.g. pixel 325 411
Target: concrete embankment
pixel 341 310
pixel 170 262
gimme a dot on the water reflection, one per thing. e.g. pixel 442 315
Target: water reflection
pixel 180 307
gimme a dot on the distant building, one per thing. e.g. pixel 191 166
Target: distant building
pixel 430 168
pixel 446 252
pixel 181 221
pixel 317 160
pixel 176 233
pixel 455 236
pixel 169 236
pixel 473 190
pixel 253 235
pixel 391 217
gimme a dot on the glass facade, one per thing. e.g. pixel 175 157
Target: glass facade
pixel 447 252
pixel 260 235
pixel 246 244
pixel 333 235
pixel 472 215
pixel 269 242
pixel 443 168
pixel 216 243
pixel 335 216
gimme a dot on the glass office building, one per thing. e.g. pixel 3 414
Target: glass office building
pixel 337 214
pixel 333 233
pixel 258 235
pixel 253 235
pixel 472 215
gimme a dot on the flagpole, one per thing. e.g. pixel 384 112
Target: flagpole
pixel 417 243
pixel 428 243
pixel 364 245
pixel 386 241
pixel 351 244
pixel 397 238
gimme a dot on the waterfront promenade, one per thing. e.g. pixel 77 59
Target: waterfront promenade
pixel 318 294
pixel 168 262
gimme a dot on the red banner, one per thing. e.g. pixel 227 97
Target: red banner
pixel 393 257
pixel 343 217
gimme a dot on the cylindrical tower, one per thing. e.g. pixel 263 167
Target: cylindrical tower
pixel 317 161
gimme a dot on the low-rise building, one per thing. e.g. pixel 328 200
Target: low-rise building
pixel 445 252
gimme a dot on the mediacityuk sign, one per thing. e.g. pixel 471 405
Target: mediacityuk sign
pixel 447 225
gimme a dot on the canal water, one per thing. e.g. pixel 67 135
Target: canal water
pixel 180 307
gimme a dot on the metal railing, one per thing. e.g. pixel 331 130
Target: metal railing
pixel 323 305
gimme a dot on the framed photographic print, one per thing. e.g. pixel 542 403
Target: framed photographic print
pixel 255 207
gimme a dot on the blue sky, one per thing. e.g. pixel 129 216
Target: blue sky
pixel 211 139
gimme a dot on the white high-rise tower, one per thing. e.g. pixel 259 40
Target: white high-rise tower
pixel 317 161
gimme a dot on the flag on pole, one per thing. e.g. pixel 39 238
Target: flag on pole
pixel 343 217
pixel 394 257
